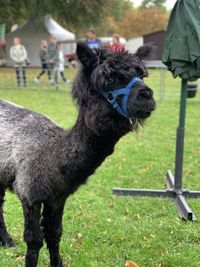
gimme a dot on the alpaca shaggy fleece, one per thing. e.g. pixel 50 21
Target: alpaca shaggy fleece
pixel 44 163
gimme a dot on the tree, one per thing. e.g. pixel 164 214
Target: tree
pixel 77 15
pixel 108 25
pixel 138 22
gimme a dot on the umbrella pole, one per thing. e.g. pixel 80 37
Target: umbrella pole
pixel 180 138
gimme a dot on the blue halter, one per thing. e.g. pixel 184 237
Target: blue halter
pixel 111 96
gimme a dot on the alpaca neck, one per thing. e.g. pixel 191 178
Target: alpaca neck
pixel 85 151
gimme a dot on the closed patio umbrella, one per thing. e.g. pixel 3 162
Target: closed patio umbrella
pixel 182 44
pixel 181 54
pixel 182 57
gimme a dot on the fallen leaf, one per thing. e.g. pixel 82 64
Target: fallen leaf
pixel 146 169
pixel 78 245
pixel 79 213
pixel 110 203
pixel 69 260
pixel 79 235
pixel 19 258
pixel 87 225
pixel 130 264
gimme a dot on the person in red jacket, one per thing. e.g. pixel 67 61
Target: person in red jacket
pixel 116 45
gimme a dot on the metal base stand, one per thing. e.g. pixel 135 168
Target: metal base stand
pixel 178 195
pixel 174 185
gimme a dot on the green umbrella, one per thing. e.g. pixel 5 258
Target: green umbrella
pixel 181 51
pixel 181 54
pixel 182 44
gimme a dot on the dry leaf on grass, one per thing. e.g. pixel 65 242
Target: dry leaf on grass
pixel 79 235
pixel 79 213
pixel 20 258
pixel 68 262
pixel 131 264
pixel 78 245
pixel 87 225
pixel 110 203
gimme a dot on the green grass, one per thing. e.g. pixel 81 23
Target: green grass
pixel 116 229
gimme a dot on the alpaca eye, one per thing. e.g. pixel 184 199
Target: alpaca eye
pixel 111 81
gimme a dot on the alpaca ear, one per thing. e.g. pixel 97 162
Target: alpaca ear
pixel 86 55
pixel 145 51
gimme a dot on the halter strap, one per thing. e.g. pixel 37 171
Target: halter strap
pixel 111 96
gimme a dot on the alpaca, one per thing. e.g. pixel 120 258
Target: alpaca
pixel 44 164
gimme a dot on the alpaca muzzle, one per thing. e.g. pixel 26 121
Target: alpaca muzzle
pixel 141 102
pixel 112 97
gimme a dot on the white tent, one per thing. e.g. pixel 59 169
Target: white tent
pixel 58 31
pixel 35 30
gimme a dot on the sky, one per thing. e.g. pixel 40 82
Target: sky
pixel 169 3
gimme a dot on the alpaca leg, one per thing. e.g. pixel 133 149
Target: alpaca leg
pixel 32 233
pixel 52 223
pixel 5 239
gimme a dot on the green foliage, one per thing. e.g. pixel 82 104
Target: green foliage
pixel 116 229
pixel 115 13
pixel 107 16
pixel 118 8
pixel 138 22
pixel 77 15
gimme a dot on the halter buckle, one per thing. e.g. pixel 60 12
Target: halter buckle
pixel 110 97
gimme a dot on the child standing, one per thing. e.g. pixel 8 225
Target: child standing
pixel 19 55
pixel 44 61
pixel 62 65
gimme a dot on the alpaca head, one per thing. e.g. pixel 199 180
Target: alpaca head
pixel 104 107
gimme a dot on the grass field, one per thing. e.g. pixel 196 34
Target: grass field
pixel 118 229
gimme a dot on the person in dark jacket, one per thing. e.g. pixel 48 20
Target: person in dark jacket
pixel 44 61
pixel 53 59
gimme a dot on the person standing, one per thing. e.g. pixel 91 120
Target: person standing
pixel 92 40
pixel 44 61
pixel 62 65
pixel 53 60
pixel 116 46
pixel 19 55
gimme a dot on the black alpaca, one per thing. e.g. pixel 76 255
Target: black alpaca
pixel 44 163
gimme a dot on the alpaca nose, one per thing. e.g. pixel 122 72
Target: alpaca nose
pixel 146 93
